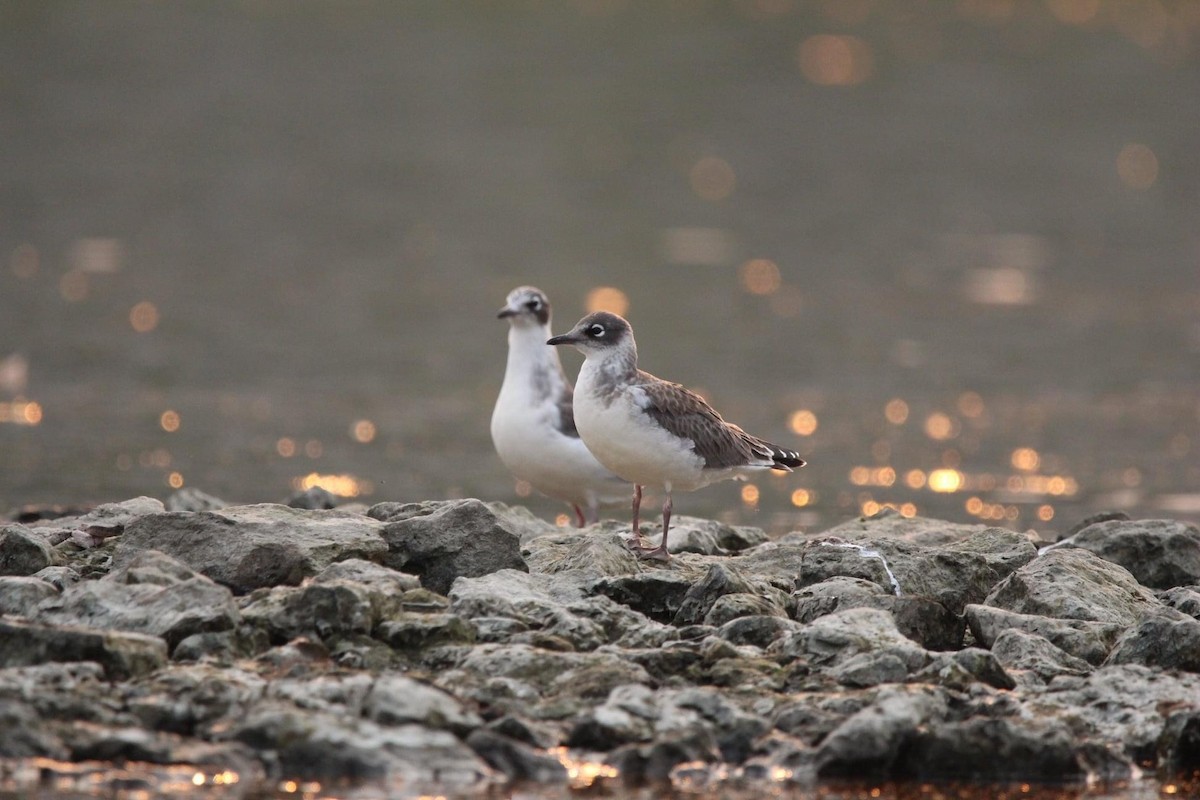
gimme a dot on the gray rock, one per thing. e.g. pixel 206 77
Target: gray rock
pixel 989 750
pixel 1179 745
pixel 248 547
pixel 152 594
pixel 516 760
pixel 699 598
pixel 1090 641
pixel 192 499
pixel 326 610
pixel 20 595
pixel 413 633
pixel 960 669
pixel 657 593
pixel 1168 640
pixel 757 630
pixel 314 498
pixel 26 734
pixel 870 741
pixel 23 552
pixel 832 594
pixel 921 619
pixel 1159 553
pixel 59 577
pixel 1185 599
pixel 122 655
pixel 889 524
pixel 398 700
pixel 444 540
pixel 597 550
pixel 1018 650
pixel 744 604
pixel 111 519
pixel 832 639
pixel 870 669
pixel 1070 583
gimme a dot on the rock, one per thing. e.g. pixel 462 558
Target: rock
pixel 248 547
pixel 122 655
pixel 26 734
pixel 870 741
pixel 1183 599
pixel 414 633
pixel 398 700
pixel 738 538
pixel 516 760
pixel 326 611
pixel 695 535
pixel 314 498
pixel 1018 650
pixel 718 581
pixel 598 550
pixel 1168 640
pixel 1159 553
pixel 888 524
pixel 870 669
pixel 744 604
pixel 658 593
pixel 832 594
pixel 1179 744
pixel 444 540
pixel 832 639
pixel 992 750
pixel 1071 583
pixel 921 619
pixel 152 594
pixel 23 552
pixel 192 499
pixel 1090 641
pixel 111 519
pixel 960 669
pixel 59 577
pixel 757 630
pixel 20 595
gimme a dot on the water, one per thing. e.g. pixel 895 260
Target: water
pixel 949 253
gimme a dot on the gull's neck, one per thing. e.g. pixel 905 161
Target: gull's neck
pixel 611 367
pixel 531 360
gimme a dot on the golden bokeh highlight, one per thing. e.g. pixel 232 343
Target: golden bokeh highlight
pixel 175 480
pixel 563 520
pixel 939 426
pixel 313 448
pixel 1137 166
pixel 712 178
pixel 341 485
pixel 750 494
pixel 523 488
pixel 144 317
pixel 606 298
pixel 169 421
pixel 760 276
pixel 945 480
pixel 21 412
pixel 801 497
pixel 363 431
pixel 915 479
pixel 286 447
pixel 1045 513
pixel 970 405
pixel 896 411
pixel 833 60
pixel 581 773
pixel 1025 459
pixel 803 422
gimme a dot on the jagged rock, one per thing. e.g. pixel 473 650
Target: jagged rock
pixel 1185 599
pixel 597 550
pixel 890 524
pixel 1167 639
pixel 1090 641
pixel 23 552
pixel 1179 744
pixel 413 633
pixel 960 669
pixel 696 535
pixel 832 594
pixel 992 750
pixel 1071 583
pixel 248 547
pixel 729 607
pixel 314 498
pixel 122 655
pixel 870 741
pixel 151 594
pixel 444 540
pixel 921 619
pixel 700 597
pixel 658 593
pixel 111 519
pixel 832 639
pixel 20 595
pixel 516 760
pixel 326 610
pixel 1018 650
pixel 1159 553
pixel 192 499
pixel 759 630
pixel 59 577
pixel 398 700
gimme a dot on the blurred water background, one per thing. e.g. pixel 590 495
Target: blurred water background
pixel 950 251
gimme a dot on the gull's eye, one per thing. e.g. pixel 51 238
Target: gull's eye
pixel 534 304
pixel 596 331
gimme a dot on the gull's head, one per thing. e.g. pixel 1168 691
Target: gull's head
pixel 598 334
pixel 526 307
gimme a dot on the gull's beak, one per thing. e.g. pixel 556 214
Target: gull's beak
pixel 507 311
pixel 565 338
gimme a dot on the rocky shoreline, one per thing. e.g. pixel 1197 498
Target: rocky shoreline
pixel 463 646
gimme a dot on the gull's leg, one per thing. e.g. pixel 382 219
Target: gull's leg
pixel 580 521
pixel 660 553
pixel 636 542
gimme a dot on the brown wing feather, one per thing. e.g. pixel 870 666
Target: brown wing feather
pixel 685 414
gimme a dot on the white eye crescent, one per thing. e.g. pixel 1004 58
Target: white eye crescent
pixel 596 331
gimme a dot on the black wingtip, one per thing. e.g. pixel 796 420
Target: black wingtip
pixel 787 458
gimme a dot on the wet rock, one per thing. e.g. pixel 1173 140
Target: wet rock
pixel 1071 583
pixel 658 593
pixel 444 540
pixel 20 595
pixel 122 655
pixel 192 499
pixel 700 597
pixel 989 750
pixel 1090 641
pixel 516 760
pixel 1018 650
pixel 23 552
pixel 1168 639
pixel 248 547
pixel 152 594
pixel 1159 553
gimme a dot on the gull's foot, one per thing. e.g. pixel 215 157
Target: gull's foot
pixel 654 554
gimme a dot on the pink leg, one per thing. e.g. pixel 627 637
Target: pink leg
pixel 660 553
pixel 636 542
pixel 580 521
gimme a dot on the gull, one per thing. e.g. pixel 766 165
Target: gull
pixel 533 425
pixel 652 432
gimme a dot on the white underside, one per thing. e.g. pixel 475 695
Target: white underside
pixel 628 441
pixel 524 431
